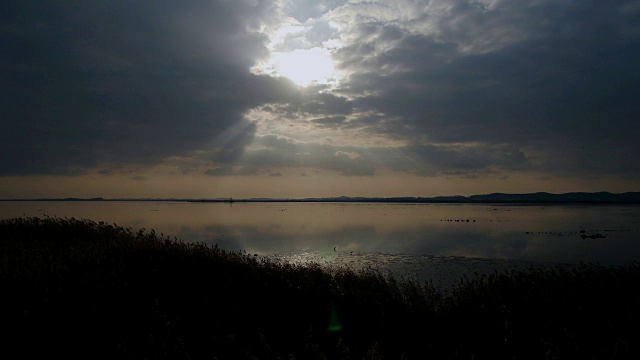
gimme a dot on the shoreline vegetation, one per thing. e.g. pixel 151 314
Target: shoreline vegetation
pixel 494 198
pixel 82 289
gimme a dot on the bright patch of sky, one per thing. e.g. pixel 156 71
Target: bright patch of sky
pixel 302 66
pixel 301 46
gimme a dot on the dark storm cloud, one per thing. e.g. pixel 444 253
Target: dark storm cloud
pixel 330 120
pixel 310 102
pixel 89 82
pixel 272 151
pixel 452 86
pixel 557 78
pixel 430 160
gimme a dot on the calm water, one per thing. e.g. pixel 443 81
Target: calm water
pixel 427 241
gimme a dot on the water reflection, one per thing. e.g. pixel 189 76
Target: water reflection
pixel 521 233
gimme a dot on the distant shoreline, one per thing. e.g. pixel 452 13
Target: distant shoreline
pixel 495 198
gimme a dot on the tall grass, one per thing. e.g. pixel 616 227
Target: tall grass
pixel 84 289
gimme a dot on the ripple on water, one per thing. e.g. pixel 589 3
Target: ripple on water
pixel 443 272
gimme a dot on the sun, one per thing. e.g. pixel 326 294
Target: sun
pixel 302 66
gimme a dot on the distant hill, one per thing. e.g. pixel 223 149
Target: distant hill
pixel 574 197
pixel 539 197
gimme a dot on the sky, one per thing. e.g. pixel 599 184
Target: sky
pixel 311 98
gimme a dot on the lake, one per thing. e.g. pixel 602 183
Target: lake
pixel 439 242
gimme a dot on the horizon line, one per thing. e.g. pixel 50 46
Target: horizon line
pixel 539 197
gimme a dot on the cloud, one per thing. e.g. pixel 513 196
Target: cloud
pixel 87 83
pixel 442 87
pixel 271 151
pixel 330 120
pixel 556 78
pixel 351 155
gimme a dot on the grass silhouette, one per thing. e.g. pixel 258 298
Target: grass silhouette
pixel 84 289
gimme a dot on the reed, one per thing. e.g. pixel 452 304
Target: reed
pixel 83 289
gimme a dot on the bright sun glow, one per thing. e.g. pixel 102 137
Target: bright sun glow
pixel 302 66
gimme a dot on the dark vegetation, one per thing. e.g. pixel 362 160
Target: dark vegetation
pixel 81 289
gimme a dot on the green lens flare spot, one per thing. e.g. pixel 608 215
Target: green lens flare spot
pixel 334 322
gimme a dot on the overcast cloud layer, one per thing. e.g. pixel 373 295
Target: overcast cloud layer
pixel 442 87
